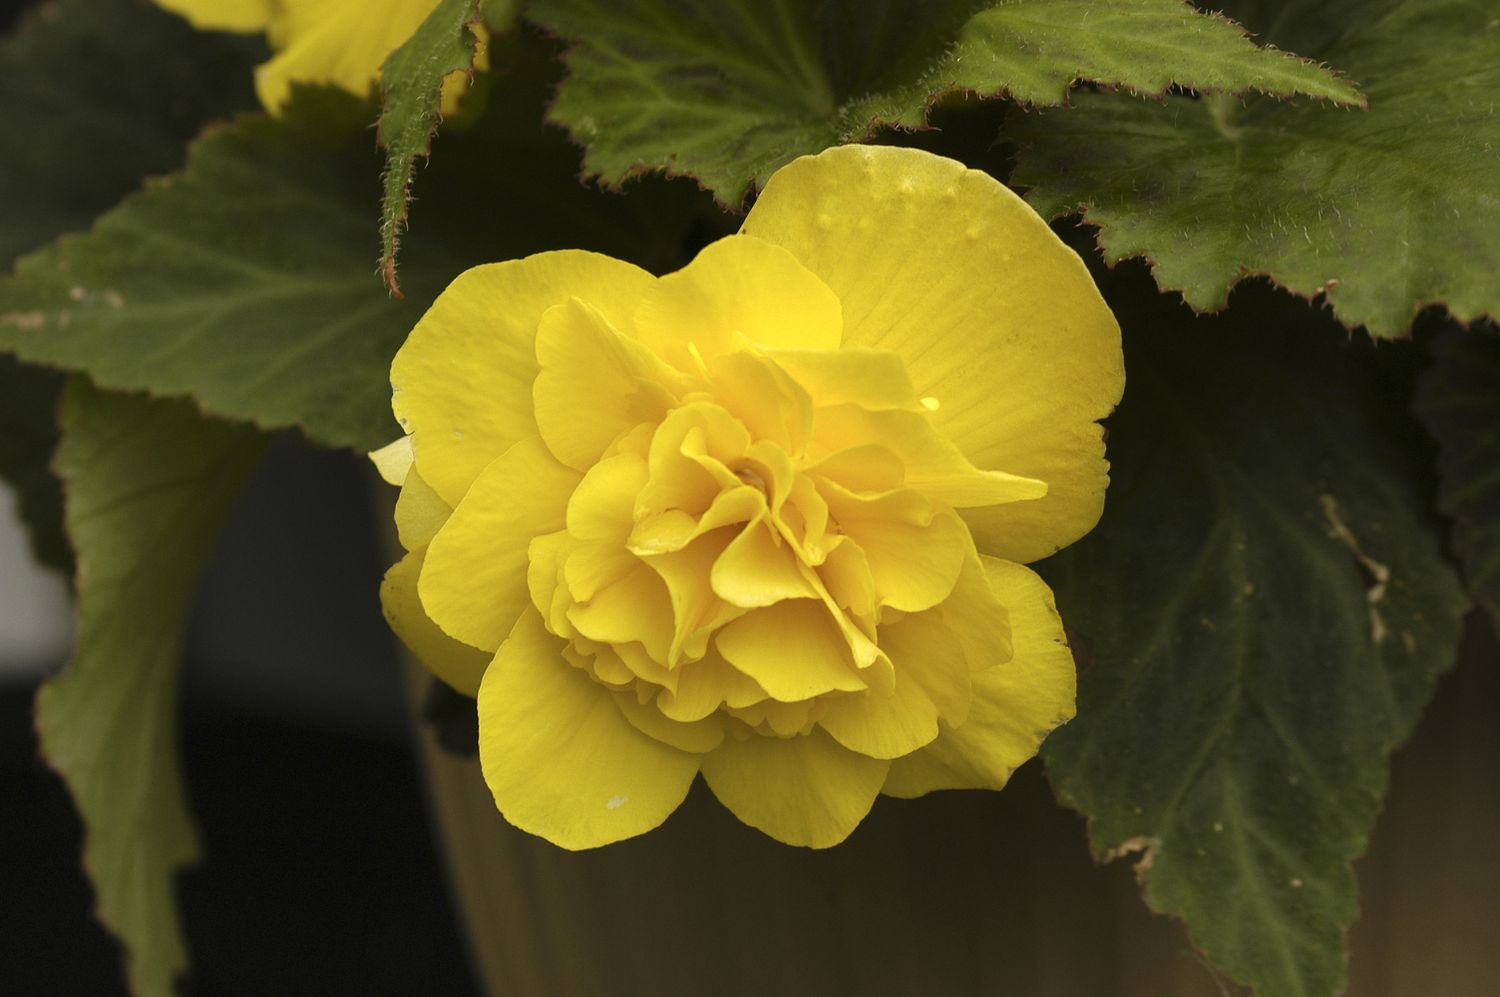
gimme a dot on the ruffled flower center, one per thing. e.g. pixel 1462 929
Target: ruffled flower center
pixel 749 521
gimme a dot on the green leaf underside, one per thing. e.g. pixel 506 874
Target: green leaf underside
pixel 727 92
pixel 247 280
pixel 1264 609
pixel 1383 211
pixel 411 85
pixel 148 483
pixel 1458 398
pixel 78 142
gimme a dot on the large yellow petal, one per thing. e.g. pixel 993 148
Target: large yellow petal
pixel 882 724
pixel 996 319
pixel 455 663
pixel 737 289
pixel 764 397
pixel 926 651
pixel 914 550
pixel 931 463
pixel 560 758
pixel 806 790
pixel 223 15
pixel 872 379
pixel 463 379
pixel 474 581
pixel 696 610
pixel 793 649
pixel 1015 704
pixel 595 384
pixel 976 617
pixel 757 568
pixel 602 507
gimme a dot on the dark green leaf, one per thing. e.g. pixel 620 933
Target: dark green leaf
pixel 1382 211
pixel 148 483
pixel 94 95
pixel 1459 400
pixel 246 280
pixel 1264 609
pixel 728 92
pixel 411 84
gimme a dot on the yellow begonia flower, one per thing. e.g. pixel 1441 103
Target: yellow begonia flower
pixel 340 43
pixel 762 518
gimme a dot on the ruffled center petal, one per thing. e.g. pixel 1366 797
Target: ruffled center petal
pixel 764 537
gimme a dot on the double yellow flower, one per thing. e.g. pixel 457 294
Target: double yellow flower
pixel 763 518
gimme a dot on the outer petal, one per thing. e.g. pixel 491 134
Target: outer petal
pixel 805 790
pixel 342 42
pixel 926 651
pixel 463 380
pixel 1015 704
pixel 881 724
pixel 474 582
pixel 393 460
pixel 738 286
pixel 560 758
pixel 420 512
pixel 995 317
pixel 222 15
pixel 457 664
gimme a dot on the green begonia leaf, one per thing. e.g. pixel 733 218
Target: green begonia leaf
pixel 411 84
pixel 1382 211
pixel 148 483
pixel 78 141
pixel 1459 400
pixel 247 279
pixel 1263 611
pixel 95 95
pixel 727 92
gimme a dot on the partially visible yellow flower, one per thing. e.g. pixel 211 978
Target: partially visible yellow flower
pixel 340 43
pixel 762 518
